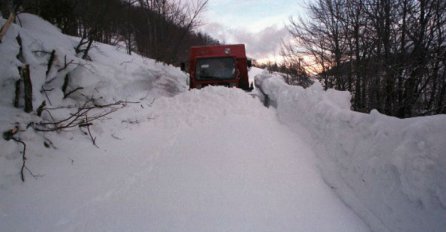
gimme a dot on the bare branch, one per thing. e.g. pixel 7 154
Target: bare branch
pixel 22 175
pixel 6 26
pixel 93 139
pixel 72 91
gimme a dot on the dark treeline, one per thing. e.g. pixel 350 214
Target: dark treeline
pixel 160 29
pixel 390 54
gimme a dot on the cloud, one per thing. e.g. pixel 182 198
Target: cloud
pixel 265 43
pixel 260 45
pixel 260 24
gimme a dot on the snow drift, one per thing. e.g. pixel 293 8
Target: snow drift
pixel 392 172
pixel 109 76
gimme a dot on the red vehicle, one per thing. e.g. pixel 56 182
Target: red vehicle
pixel 225 65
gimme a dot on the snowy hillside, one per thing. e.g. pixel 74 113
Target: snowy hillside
pixel 161 158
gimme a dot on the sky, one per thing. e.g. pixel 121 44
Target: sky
pixel 259 24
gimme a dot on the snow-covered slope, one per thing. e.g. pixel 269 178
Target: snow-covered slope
pixel 392 172
pixel 111 75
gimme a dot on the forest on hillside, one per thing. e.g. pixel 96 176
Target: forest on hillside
pixel 390 54
pixel 159 29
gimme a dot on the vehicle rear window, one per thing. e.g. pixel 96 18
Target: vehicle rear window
pixel 215 68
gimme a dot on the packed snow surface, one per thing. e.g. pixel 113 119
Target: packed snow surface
pixel 201 161
pixel 215 159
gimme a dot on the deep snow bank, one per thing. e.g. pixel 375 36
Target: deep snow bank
pixel 109 76
pixel 392 172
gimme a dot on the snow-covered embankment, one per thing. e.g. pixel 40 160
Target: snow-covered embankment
pixel 392 172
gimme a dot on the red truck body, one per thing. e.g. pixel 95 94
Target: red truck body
pixel 225 65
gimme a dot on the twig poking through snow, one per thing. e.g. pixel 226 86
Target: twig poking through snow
pixel 22 175
pixel 93 139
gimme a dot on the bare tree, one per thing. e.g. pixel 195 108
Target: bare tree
pixel 160 29
pixel 389 53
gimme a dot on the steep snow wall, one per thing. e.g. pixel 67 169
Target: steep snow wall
pixel 109 75
pixel 109 72
pixel 391 171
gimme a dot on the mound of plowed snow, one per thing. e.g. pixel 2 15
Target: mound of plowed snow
pixel 392 172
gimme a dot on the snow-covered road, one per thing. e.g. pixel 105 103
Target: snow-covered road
pixel 209 160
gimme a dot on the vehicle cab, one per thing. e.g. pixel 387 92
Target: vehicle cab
pixel 225 65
